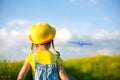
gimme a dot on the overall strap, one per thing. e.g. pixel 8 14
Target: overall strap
pixel 57 55
pixel 56 58
pixel 33 56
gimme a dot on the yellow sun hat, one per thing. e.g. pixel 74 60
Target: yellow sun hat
pixel 41 33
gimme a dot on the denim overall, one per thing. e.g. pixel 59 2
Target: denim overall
pixel 45 71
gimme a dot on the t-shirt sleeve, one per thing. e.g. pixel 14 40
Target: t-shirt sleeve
pixel 29 59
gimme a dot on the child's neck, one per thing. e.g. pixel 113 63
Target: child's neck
pixel 43 47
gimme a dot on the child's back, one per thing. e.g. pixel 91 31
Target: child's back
pixel 45 71
pixel 45 65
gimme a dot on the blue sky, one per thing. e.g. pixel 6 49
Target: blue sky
pixel 94 21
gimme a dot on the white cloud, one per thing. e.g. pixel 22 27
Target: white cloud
pixel 10 38
pixel 104 51
pixel 19 23
pixel 25 50
pixel 73 49
pixel 104 34
pixel 63 35
pixel 15 33
pixel 116 34
pixel 11 43
pixel 101 35
pixel 3 33
pixel 15 38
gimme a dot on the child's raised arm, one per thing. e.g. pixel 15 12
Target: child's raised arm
pixel 23 71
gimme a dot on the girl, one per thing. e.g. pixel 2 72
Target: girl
pixel 45 65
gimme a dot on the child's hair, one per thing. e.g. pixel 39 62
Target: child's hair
pixel 32 46
pixel 53 46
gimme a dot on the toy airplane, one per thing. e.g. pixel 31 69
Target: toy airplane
pixel 80 43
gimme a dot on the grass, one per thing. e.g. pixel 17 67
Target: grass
pixel 94 68
pixel 99 67
pixel 9 70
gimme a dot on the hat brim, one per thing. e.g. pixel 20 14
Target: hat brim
pixel 46 39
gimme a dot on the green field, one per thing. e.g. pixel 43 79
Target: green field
pixel 99 67
pixel 94 68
